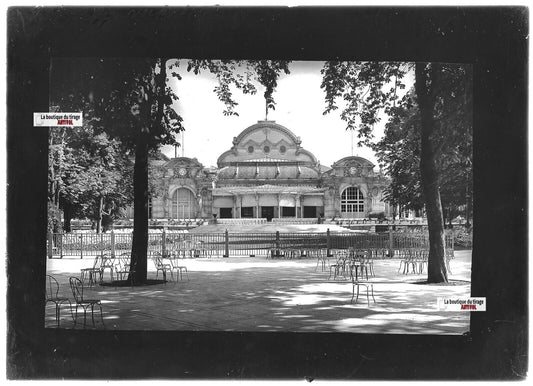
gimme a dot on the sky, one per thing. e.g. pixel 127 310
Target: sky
pixel 299 107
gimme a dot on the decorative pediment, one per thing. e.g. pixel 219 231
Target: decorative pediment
pixel 266 139
pixel 354 166
pixel 183 167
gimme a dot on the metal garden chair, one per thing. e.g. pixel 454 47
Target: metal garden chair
pixel 422 259
pixel 409 259
pixel 107 262
pixel 363 263
pixel 322 259
pixel 339 267
pixel 52 296
pixel 76 285
pixel 357 283
pixel 160 266
pixel 175 266
pixel 91 273
pixel 123 268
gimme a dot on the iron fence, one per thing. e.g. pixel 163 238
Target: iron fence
pixel 239 244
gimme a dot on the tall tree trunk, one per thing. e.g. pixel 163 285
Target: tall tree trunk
pixel 468 206
pixel 67 216
pixel 100 210
pixel 139 250
pixel 425 89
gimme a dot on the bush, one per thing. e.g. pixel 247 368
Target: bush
pixel 377 215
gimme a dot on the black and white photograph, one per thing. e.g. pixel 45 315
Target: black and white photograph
pixel 239 226
pixel 251 190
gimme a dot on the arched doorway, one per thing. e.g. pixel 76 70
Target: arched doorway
pixel 183 204
pixel 352 203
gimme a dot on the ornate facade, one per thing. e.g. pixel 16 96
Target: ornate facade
pixel 268 174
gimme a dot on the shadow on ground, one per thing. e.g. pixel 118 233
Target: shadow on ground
pixel 256 294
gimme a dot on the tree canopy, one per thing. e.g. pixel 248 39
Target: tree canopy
pixel 399 151
pixel 130 100
pixel 442 102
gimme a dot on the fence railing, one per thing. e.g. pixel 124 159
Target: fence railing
pixel 241 221
pixel 238 244
pixel 292 220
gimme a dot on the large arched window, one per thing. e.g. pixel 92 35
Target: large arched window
pixel 352 200
pixel 183 204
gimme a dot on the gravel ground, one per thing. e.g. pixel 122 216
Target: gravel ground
pixel 260 294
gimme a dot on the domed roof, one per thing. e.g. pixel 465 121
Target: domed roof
pixel 270 125
pixel 266 141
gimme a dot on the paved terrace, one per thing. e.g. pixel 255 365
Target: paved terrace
pixel 260 294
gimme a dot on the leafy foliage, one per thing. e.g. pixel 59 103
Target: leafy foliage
pixel 242 75
pixel 366 89
pixel 438 111
pixel 130 101
pixel 93 174
pixel 399 153
pixel 399 149
pixel 97 176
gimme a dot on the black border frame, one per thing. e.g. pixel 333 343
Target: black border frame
pixel 494 39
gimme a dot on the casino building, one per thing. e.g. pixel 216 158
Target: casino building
pixel 268 174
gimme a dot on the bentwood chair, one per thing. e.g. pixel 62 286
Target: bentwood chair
pixel 76 286
pixel 52 296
